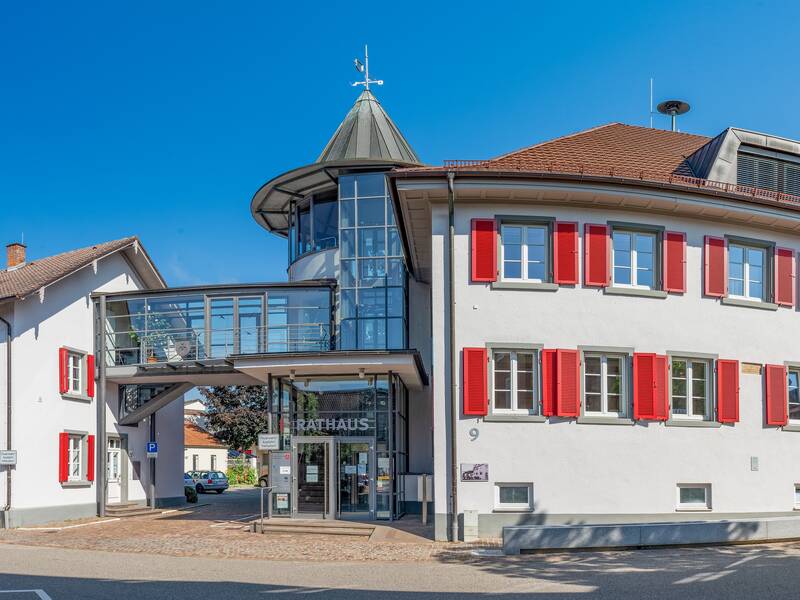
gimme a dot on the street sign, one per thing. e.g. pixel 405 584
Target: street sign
pixel 269 441
pixel 152 449
pixel 8 457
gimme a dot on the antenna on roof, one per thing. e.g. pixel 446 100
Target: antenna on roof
pixel 651 103
pixel 364 68
pixel 673 108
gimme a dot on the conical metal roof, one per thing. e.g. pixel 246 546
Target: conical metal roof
pixel 367 132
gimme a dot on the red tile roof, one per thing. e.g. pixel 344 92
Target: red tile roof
pixel 195 436
pixel 29 277
pixel 614 152
pixel 606 148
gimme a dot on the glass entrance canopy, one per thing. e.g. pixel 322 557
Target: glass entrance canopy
pixel 198 324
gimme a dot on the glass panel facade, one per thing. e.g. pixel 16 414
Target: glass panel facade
pixel 372 301
pixel 314 225
pixel 349 408
pixel 196 327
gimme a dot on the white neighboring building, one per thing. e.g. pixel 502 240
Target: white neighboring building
pixel 202 451
pixel 48 384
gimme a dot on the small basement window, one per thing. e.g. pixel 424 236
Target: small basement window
pixel 513 496
pixel 797 496
pixel 694 496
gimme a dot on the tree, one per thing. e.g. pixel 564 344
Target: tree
pixel 237 413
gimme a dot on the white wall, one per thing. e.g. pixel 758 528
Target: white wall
pixel 587 468
pixel 204 458
pixel 65 318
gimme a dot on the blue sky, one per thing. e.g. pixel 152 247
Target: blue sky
pixel 161 119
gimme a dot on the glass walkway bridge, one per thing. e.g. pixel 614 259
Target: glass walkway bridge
pixel 158 344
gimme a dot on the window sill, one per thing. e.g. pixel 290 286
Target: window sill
pixel 626 291
pixel 749 303
pixel 76 397
pixel 76 484
pixel 511 418
pixel 512 510
pixel 591 420
pixel 524 285
pixel 692 509
pixel 691 423
pixel 791 427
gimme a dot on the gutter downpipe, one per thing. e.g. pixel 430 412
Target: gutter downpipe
pixel 9 337
pixel 100 399
pixel 453 357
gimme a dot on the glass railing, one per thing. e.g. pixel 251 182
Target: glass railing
pixel 217 323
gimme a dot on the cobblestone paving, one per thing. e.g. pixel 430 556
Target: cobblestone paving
pixel 211 531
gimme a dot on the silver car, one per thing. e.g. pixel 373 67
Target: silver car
pixel 208 481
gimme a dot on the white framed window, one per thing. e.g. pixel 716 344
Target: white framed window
pixel 524 252
pixel 747 266
pixel 513 496
pixel 75 363
pixel 691 389
pixel 634 259
pixel 213 462
pixel 793 389
pixel 75 458
pixel 693 496
pixel 604 384
pixel 514 381
pixel 797 496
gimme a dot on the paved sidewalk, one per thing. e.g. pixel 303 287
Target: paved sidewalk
pixel 215 529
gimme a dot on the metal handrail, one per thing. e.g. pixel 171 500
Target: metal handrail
pixel 179 344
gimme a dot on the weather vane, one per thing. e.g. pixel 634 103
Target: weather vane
pixel 364 68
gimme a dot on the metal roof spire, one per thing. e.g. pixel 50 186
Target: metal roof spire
pixel 364 68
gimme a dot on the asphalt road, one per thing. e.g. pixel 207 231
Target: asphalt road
pixel 708 573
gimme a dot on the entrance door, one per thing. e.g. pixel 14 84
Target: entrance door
pixel 114 470
pixel 312 476
pixel 355 477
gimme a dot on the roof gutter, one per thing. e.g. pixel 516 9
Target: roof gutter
pixel 609 179
pixel 9 337
pixel 451 367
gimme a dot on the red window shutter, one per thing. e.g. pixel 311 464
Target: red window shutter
pixel 568 383
pixel 549 379
pixel 565 253
pixel 784 277
pixel 63 385
pixel 644 392
pixel 728 391
pixel 595 255
pixel 484 250
pixel 63 457
pixel 90 375
pixel 476 397
pixel 715 267
pixel 776 395
pixel 674 262
pixel 660 383
pixel 90 458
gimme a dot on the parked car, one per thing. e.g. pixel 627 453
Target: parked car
pixel 188 480
pixel 208 481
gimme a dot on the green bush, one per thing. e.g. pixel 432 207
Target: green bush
pixel 239 473
pixel 190 493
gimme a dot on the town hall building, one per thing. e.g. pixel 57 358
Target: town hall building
pixel 596 329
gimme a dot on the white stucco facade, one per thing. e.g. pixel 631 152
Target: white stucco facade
pixel 199 458
pixel 615 471
pixel 63 316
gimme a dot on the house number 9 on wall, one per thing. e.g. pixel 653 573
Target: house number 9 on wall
pixel 474 433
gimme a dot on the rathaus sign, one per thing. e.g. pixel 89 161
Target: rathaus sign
pixel 342 426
